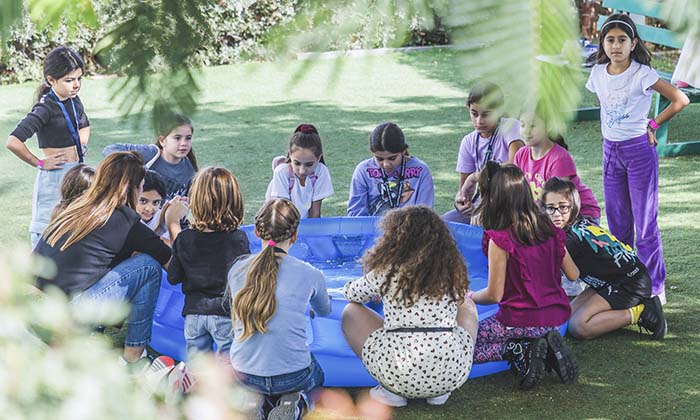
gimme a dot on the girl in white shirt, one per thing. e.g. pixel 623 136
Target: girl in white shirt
pixel 302 177
pixel 624 83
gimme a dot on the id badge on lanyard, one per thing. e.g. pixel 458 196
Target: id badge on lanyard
pixel 394 197
pixel 73 130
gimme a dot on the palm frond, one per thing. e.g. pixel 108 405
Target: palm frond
pixel 529 48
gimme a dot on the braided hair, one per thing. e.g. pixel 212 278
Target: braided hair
pixel 255 304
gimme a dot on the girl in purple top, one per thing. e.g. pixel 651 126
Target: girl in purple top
pixel 547 156
pixel 526 254
pixel 390 179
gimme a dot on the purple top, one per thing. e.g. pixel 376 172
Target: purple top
pixel 557 162
pixel 366 187
pixel 532 294
pixel 472 150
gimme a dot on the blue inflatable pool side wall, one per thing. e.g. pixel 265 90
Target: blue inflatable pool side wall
pixel 330 244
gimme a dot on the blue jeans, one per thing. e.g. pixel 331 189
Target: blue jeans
pixel 201 331
pixel 302 380
pixel 136 281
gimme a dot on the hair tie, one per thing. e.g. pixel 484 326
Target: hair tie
pixel 619 21
pixel 271 243
pixel 306 129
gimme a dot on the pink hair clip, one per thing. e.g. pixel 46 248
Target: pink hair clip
pixel 271 243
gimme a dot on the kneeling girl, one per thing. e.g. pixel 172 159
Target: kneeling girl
pixel 271 292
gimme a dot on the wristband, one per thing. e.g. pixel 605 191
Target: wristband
pixel 653 124
pixel 40 164
pixel 469 294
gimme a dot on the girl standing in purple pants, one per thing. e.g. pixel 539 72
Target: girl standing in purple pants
pixel 624 83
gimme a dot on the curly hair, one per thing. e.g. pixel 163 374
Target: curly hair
pixel 418 253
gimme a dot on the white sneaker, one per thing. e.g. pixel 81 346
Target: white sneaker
pixel 385 397
pixel 439 400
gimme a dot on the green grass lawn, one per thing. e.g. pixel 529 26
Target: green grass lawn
pixel 245 118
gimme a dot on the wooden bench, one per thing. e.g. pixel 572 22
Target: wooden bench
pixel 659 36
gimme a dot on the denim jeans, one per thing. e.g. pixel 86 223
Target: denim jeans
pixel 201 331
pixel 303 380
pixel 136 281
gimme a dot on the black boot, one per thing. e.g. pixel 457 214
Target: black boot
pixel 560 359
pixel 526 357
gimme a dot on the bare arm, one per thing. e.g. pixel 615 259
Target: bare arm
pixel 513 148
pixel 678 101
pixel 315 210
pixel 498 261
pixel 570 269
pixel 21 150
pixel 84 135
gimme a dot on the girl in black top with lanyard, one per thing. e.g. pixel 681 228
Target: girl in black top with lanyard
pixel 62 128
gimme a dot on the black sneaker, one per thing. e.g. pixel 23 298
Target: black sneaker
pixel 560 359
pixel 526 357
pixel 652 318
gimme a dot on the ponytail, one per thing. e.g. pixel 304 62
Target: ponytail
pixel 255 304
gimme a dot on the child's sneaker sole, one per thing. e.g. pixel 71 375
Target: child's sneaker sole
pixel 286 408
pixel 560 358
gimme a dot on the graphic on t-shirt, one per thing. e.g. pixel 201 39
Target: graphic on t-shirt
pixel 536 182
pixel 599 239
pixel 173 187
pixel 387 190
pixel 616 104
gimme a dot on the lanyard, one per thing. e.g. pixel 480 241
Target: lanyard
pixel 489 148
pixel 73 130
pixel 395 197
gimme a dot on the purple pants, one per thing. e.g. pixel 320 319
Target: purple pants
pixel 631 187
pixel 492 336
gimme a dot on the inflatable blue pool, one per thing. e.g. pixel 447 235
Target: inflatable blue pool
pixel 333 245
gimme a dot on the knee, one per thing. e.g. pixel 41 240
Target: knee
pixel 579 329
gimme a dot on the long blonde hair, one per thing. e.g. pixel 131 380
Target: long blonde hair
pixel 216 201
pixel 255 304
pixel 116 184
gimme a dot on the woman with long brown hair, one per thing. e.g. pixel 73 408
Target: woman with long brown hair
pixel 423 347
pixel 92 241
pixel 271 292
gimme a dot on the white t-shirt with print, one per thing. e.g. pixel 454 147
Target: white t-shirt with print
pixel 624 98
pixel 301 196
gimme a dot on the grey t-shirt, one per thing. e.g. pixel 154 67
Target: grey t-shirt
pixel 282 349
pixel 177 178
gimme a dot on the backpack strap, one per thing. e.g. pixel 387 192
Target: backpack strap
pixel 291 177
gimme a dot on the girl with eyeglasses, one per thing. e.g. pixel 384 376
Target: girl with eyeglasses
pixel 302 176
pixel 620 286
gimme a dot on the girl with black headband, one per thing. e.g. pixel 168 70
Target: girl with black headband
pixel 391 178
pixel 62 128
pixel 624 83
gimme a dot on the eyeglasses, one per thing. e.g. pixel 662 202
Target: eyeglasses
pixel 562 209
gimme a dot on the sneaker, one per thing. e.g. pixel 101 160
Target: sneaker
pixel 439 400
pixel 652 318
pixel 560 359
pixel 181 380
pixel 526 357
pixel 287 407
pixel 379 393
pixel 154 374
